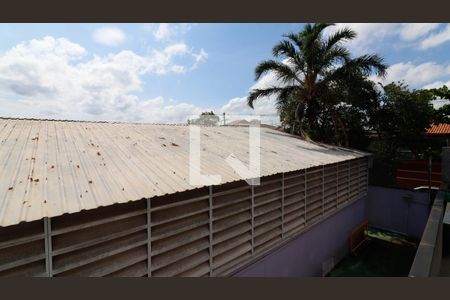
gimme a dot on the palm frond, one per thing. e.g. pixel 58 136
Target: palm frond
pixel 282 71
pixel 339 36
pixel 295 38
pixel 369 63
pixel 282 93
pixel 284 48
pixel 360 66
pixel 258 93
pixel 335 55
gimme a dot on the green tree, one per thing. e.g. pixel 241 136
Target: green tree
pixel 310 69
pixel 403 117
pixel 400 122
pixel 346 112
pixel 442 113
pixel 442 92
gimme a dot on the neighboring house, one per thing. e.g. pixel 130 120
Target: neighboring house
pixel 440 131
pixel 238 123
pixel 252 122
pixel 114 199
pixel 412 173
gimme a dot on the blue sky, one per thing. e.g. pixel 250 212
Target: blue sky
pixel 165 72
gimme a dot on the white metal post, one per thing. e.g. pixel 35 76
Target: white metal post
pixel 323 190
pixel 337 186
pixel 282 205
pixel 149 239
pixel 210 232
pixel 253 218
pixel 306 186
pixel 48 247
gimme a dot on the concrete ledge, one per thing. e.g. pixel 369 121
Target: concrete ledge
pixel 429 254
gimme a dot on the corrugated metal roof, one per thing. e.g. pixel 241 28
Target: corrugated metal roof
pixel 442 128
pixel 49 168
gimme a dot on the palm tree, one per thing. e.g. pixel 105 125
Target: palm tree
pixel 308 66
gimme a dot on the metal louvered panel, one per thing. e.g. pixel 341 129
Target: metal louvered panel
pixel 294 202
pixel 268 202
pixel 363 176
pixel 210 231
pixel 100 242
pixel 184 251
pixel 343 181
pixel 331 187
pixel 22 250
pixel 314 194
pixel 231 224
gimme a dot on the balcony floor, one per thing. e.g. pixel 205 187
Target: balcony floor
pixel 386 254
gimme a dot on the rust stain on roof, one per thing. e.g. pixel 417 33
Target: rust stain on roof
pixel 134 163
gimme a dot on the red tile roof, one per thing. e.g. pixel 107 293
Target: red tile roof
pixel 441 129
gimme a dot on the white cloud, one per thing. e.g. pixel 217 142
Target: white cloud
pixel 158 110
pixel 436 84
pixel 438 103
pixel 175 49
pixel 238 106
pixel 54 77
pixel 199 58
pixel 264 106
pixel 436 39
pixel 166 31
pixel 412 31
pixel 109 36
pixel 369 35
pixel 415 76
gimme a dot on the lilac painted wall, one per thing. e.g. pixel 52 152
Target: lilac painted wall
pixel 399 210
pixel 314 251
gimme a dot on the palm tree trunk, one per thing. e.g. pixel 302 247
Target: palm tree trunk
pixel 336 130
pixel 344 130
pixel 312 121
pixel 299 111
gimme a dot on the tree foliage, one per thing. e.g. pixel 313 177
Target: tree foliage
pixel 402 119
pixel 324 93
pixel 317 78
pixel 400 122
pixel 443 113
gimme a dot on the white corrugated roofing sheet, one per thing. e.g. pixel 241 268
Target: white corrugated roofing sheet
pixel 49 168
